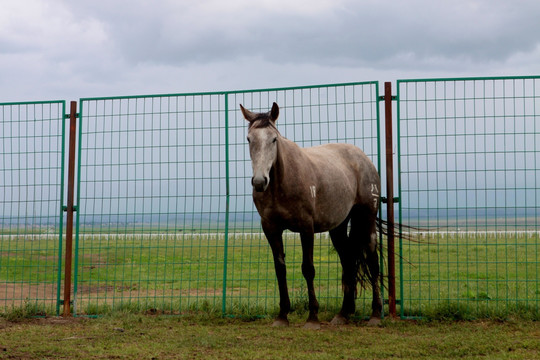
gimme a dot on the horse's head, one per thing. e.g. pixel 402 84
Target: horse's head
pixel 263 139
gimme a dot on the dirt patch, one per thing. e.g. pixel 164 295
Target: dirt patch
pixel 86 289
pixel 17 294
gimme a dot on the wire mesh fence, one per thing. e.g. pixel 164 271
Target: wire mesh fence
pixel 150 202
pixel 166 221
pixel 31 194
pixel 469 179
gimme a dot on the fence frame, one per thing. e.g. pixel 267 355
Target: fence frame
pixel 402 121
pixel 226 95
pixel 73 188
pixel 61 184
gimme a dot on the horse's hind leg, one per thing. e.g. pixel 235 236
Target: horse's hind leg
pixel 373 264
pixel 343 247
pixel 363 234
pixel 372 259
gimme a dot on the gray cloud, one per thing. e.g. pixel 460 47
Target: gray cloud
pixel 103 47
pixel 353 32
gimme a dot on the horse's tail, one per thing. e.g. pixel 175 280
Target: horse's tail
pixel 366 252
pixel 365 277
pixel 363 248
pixel 400 230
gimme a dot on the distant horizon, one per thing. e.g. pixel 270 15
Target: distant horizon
pixel 450 218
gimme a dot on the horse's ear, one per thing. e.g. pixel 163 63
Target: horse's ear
pixel 274 113
pixel 248 115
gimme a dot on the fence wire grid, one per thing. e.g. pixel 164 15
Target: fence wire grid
pixel 165 222
pixel 469 165
pixel 31 196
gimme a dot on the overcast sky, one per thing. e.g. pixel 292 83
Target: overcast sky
pixel 67 49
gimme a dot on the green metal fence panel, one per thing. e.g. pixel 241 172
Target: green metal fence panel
pixel 165 217
pixel 166 223
pixel 309 116
pixel 469 163
pixel 31 197
pixel 151 203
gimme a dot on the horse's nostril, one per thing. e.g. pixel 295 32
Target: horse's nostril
pixel 259 183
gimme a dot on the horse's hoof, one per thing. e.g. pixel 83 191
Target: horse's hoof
pixel 312 325
pixel 374 321
pixel 280 323
pixel 339 320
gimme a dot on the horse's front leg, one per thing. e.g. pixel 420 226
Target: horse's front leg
pixel 308 270
pixel 275 239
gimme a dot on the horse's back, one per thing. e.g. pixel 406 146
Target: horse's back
pixel 346 159
pixel 349 171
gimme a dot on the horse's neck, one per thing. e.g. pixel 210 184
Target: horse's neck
pixel 288 159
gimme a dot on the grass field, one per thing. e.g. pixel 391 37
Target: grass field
pixel 128 336
pixel 445 275
pixel 481 274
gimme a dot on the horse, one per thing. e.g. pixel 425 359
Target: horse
pixel 311 190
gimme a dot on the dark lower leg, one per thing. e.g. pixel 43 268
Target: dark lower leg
pixel 276 243
pixel 349 290
pixel 348 279
pixel 308 270
pixel 373 264
pixel 284 301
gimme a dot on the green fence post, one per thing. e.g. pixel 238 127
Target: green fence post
pixel 78 201
pixel 61 215
pixel 227 200
pixel 400 212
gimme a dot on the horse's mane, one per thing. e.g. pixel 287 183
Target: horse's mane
pixel 262 121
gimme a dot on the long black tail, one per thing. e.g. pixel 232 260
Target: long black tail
pixel 365 276
pixel 367 259
pixel 400 230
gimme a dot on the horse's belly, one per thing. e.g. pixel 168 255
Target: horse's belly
pixel 329 219
pixel 302 219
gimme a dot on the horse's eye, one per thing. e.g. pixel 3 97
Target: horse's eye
pixel 248 140
pixel 275 139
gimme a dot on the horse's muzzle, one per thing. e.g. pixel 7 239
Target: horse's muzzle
pixel 260 183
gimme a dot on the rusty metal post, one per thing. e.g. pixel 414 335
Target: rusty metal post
pixel 390 197
pixel 70 208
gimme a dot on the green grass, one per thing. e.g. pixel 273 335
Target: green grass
pixel 200 336
pixel 28 310
pixel 445 275
pixel 479 274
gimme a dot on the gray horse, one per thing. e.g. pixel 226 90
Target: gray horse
pixel 312 190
